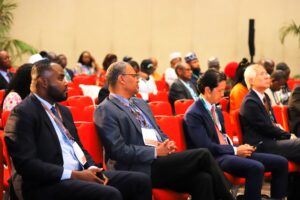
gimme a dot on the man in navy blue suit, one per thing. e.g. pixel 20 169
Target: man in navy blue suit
pixel 205 129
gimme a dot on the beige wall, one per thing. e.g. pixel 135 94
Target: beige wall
pixel 143 28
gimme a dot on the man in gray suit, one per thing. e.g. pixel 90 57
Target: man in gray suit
pixel 134 142
pixel 182 88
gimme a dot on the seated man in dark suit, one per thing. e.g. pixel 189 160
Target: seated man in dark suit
pixel 5 64
pixel 205 129
pixel 182 88
pixel 258 121
pixel 48 157
pixel 133 141
pixel 294 111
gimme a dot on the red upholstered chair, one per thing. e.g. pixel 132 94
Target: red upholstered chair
pixel 166 194
pixel 80 101
pixel 292 83
pixel 160 96
pixel 281 115
pixel 172 126
pixel 90 140
pixel 85 80
pixel 78 115
pixel 162 85
pixel 228 126
pixel 7 169
pixel 224 104
pixel 74 91
pixel 4 117
pixel 237 126
pixel 89 113
pixel 182 105
pixel 1 170
pixel 160 108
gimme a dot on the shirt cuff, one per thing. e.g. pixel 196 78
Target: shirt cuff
pixel 93 167
pixel 66 174
pixel 235 150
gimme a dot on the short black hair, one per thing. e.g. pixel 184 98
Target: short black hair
pixel 40 67
pixel 211 78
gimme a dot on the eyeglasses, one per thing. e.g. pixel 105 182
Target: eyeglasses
pixel 133 75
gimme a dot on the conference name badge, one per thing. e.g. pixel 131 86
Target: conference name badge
pixel 79 153
pixel 149 137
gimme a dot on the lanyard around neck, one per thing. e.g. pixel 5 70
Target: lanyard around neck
pixel 58 122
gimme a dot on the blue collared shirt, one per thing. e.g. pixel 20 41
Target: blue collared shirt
pixel 70 160
pixel 190 89
pixel 4 74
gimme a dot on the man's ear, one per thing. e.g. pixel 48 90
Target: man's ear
pixel 121 79
pixel 43 82
pixel 207 90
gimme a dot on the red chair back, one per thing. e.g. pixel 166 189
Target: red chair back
pixel 4 116
pixel 160 108
pixel 89 113
pixel 160 96
pixel 85 80
pixel 1 170
pixel 182 105
pixel 162 85
pixel 80 101
pixel 238 128
pixel 78 115
pixel 172 126
pixel 74 91
pixel 6 158
pixel 292 83
pixel 224 104
pixel 90 141
pixel 228 126
pixel 281 115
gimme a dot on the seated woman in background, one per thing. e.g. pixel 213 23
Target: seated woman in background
pixel 108 60
pixel 86 64
pixel 146 81
pixel 18 88
pixel 239 88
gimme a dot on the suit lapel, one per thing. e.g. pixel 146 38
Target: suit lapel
pixel 127 111
pixel 45 119
pixel 187 92
pixel 206 116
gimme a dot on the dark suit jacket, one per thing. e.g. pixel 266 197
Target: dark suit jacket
pixel 121 135
pixel 256 123
pixel 3 82
pixel 294 111
pixel 34 146
pixel 179 91
pixel 71 73
pixel 201 132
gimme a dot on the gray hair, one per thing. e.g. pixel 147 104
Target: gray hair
pixel 114 71
pixel 251 73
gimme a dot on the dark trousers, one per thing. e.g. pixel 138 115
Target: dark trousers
pixel 121 185
pixel 193 171
pixel 253 169
pixel 286 148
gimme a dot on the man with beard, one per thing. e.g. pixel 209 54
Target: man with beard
pixel 192 60
pixel 49 160
pixel 5 64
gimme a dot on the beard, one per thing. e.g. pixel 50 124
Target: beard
pixel 57 95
